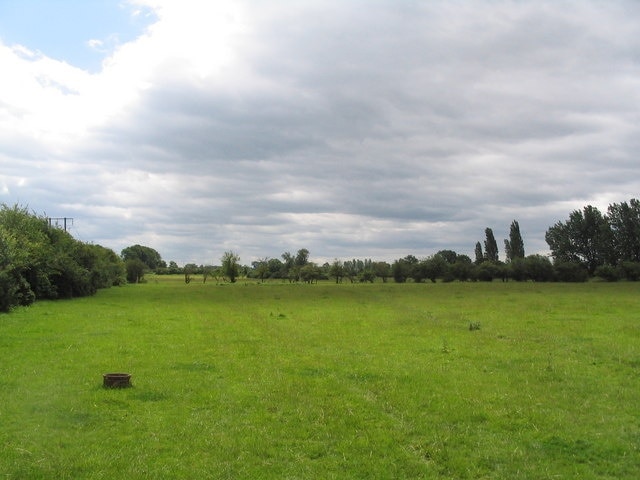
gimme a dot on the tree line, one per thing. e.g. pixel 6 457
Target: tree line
pixel 39 261
pixel 589 243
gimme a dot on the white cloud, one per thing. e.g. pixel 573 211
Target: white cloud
pixel 95 44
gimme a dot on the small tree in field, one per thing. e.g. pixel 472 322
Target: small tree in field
pixel 135 270
pixel 230 265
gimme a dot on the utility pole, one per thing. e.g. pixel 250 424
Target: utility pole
pixel 58 219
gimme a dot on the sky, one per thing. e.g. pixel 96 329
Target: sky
pixel 354 129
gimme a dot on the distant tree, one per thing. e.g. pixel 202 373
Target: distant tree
pixel 302 257
pixel 434 267
pixel 487 271
pixel 479 255
pixel 276 268
pixel 539 268
pixel 608 272
pixel 288 266
pixel 462 269
pixel 147 255
pixel 624 219
pixel 448 255
pixel 336 270
pixel 309 273
pixel 630 270
pixel 382 270
pixel 570 271
pixel 514 246
pixel 230 265
pixel 207 271
pixel 490 246
pixel 401 270
pixel 350 270
pixel 367 275
pixel 411 259
pixel 586 238
pixel 417 271
pixel 135 270
pixel 189 270
pixel 261 268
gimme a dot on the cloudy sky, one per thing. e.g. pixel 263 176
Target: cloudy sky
pixel 368 129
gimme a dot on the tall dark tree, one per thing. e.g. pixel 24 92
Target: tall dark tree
pixel 490 246
pixel 624 219
pixel 302 257
pixel 401 270
pixel 479 254
pixel 586 238
pixel 514 246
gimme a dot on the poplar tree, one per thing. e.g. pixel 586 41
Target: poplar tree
pixel 490 246
pixel 514 246
pixel 479 254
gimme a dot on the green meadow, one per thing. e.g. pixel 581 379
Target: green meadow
pixel 291 381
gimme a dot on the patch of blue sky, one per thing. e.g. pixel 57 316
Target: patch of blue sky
pixel 79 32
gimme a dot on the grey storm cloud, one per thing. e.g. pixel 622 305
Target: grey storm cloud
pixel 371 129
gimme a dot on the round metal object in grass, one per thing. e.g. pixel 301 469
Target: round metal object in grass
pixel 116 380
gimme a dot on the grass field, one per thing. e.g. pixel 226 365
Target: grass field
pixel 281 381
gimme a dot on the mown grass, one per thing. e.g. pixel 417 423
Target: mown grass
pixel 325 381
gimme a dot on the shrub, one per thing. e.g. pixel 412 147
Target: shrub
pixel 539 268
pixel 14 291
pixel 571 272
pixel 608 273
pixel 517 270
pixel 487 271
pixel 630 271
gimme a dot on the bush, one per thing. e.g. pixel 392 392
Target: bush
pixel 14 291
pixel 630 271
pixel 608 273
pixel 462 270
pixel 517 270
pixel 368 276
pixel 539 268
pixel 487 271
pixel 571 272
pixel 400 270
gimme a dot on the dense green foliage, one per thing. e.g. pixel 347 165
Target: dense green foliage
pixel 38 261
pixel 594 240
pixel 147 255
pixel 433 381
